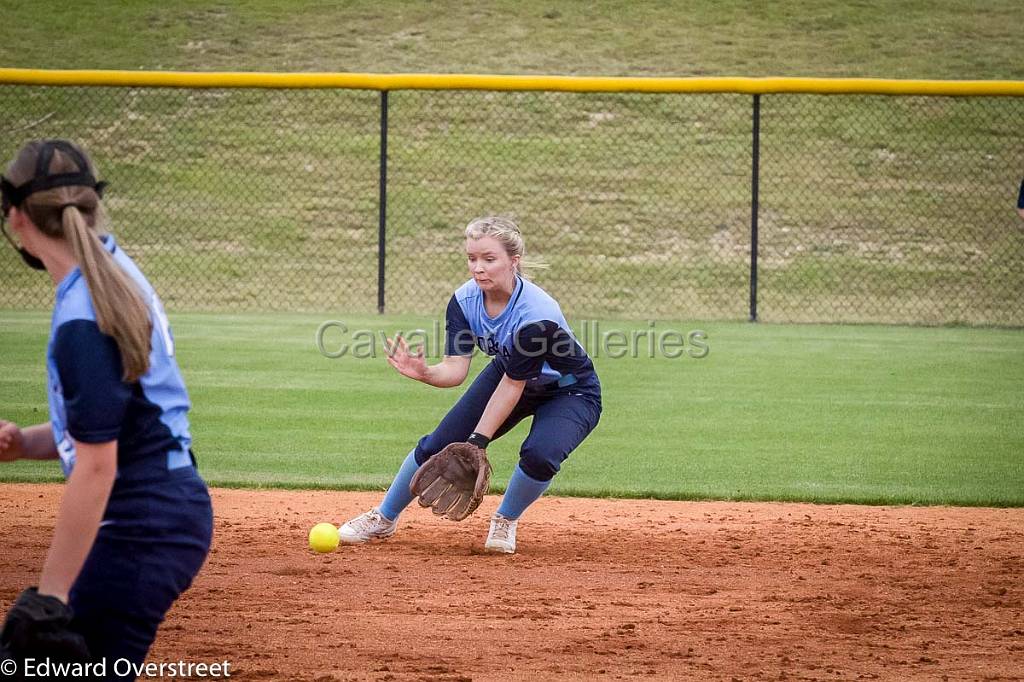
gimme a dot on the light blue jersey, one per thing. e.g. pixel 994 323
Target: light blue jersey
pixel 530 339
pixel 90 403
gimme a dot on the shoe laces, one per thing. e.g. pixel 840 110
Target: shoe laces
pixel 503 528
pixel 368 520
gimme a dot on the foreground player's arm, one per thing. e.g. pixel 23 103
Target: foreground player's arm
pixel 451 371
pixel 81 509
pixel 500 406
pixel 96 400
pixel 31 442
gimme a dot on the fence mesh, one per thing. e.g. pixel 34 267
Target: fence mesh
pixel 872 209
pixel 891 209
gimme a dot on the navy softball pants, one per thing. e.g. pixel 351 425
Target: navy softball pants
pixel 562 418
pixel 153 541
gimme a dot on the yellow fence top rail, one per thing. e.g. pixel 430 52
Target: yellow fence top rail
pixel 423 81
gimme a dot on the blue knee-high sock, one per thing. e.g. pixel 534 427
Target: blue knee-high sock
pixel 522 491
pixel 398 496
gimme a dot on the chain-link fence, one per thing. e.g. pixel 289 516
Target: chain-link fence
pixel 871 209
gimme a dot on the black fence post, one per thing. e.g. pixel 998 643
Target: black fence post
pixel 383 215
pixel 754 182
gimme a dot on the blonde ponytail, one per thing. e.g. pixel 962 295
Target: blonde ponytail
pixel 72 212
pixel 120 310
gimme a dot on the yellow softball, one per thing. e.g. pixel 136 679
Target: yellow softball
pixel 323 537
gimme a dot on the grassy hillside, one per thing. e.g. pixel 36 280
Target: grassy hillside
pixel 873 209
pixel 916 39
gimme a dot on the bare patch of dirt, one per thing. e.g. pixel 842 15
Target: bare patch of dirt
pixel 598 589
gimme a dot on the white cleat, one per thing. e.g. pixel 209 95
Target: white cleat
pixel 502 536
pixel 369 526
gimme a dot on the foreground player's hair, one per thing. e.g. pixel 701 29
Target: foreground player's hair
pixel 74 213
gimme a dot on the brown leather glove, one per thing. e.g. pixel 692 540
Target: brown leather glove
pixel 454 481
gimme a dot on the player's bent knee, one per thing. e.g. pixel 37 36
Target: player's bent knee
pixel 423 451
pixel 540 466
pixel 428 446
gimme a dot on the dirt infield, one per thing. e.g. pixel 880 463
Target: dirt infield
pixel 599 589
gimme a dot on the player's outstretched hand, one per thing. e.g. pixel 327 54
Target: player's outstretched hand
pixel 454 481
pixel 12 441
pixel 39 626
pixel 408 363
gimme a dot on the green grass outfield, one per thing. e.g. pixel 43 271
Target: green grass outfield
pixel 861 414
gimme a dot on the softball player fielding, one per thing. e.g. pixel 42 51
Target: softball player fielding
pixel 538 369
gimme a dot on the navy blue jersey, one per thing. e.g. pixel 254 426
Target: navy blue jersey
pixel 529 340
pixel 1020 197
pixel 90 403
